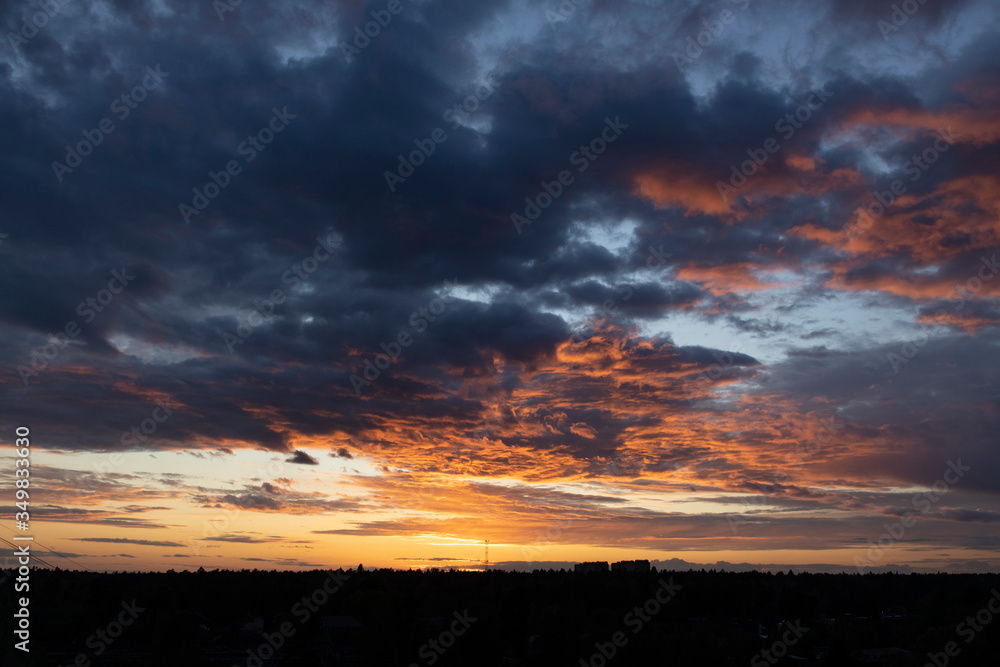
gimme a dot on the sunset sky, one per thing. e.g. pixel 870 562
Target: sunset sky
pixel 688 282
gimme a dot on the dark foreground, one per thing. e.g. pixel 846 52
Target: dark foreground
pixel 387 618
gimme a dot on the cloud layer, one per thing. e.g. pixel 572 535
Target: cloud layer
pixel 640 269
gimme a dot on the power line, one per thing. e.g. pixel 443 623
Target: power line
pixel 53 551
pixel 15 547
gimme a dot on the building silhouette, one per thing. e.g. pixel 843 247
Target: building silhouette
pixel 631 566
pixel 599 566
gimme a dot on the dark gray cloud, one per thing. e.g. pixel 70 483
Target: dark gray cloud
pixel 302 458
pixel 126 540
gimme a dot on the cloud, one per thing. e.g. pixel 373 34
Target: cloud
pixel 126 540
pixel 302 458
pixel 242 539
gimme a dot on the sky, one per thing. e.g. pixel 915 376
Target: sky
pixel 311 284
